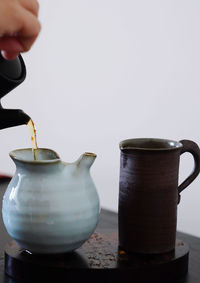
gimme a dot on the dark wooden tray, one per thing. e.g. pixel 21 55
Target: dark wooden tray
pixel 98 259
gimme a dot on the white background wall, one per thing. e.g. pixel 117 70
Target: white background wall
pixel 103 71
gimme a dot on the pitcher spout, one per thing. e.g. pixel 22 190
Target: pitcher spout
pixel 86 160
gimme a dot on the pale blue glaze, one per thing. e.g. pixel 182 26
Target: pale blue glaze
pixel 50 206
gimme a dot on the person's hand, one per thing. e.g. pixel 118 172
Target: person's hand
pixel 19 26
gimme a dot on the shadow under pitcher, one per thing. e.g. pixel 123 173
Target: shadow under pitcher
pixel 149 193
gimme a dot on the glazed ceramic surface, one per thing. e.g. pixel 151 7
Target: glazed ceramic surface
pixel 50 206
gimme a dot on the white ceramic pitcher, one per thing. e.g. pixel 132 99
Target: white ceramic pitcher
pixel 50 206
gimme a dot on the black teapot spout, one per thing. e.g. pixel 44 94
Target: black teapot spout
pixel 12 117
pixel 12 73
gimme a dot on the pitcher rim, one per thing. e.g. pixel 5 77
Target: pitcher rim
pixel 173 145
pixel 45 161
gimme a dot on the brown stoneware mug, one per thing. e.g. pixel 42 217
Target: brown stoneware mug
pixel 149 193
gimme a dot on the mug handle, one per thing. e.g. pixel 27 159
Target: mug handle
pixel 191 147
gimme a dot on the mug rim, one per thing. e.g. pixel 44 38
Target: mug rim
pixel 133 144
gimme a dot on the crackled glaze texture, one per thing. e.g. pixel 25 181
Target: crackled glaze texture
pixel 50 206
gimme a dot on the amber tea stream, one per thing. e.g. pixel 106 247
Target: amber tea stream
pixel 33 138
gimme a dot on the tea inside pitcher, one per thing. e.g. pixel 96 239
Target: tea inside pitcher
pixel 32 130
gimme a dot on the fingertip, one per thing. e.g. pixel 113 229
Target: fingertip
pixel 10 47
pixel 9 55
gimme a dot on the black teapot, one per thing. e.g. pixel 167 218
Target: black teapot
pixel 12 74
